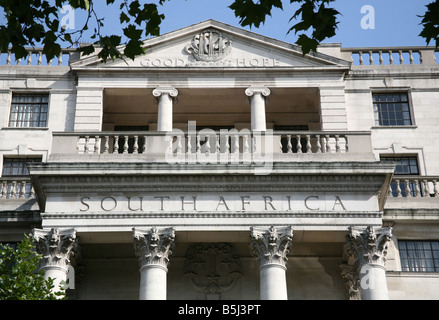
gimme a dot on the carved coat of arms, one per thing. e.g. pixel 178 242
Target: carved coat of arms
pixel 209 45
pixel 213 268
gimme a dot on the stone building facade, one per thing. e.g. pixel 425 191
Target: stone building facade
pixel 226 165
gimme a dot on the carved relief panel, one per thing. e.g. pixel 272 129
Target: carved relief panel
pixel 213 268
pixel 209 45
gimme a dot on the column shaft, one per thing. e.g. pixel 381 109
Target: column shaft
pixel 165 119
pixel 165 107
pixel 373 282
pixel 258 118
pixel 153 283
pixel 273 282
pixel 258 112
pixel 58 275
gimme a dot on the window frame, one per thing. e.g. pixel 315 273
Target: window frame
pixel 395 158
pixel 23 160
pixel 393 91
pixel 28 93
pixel 417 262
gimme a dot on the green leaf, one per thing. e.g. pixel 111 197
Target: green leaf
pixel 308 44
pixel 124 17
pixel 86 50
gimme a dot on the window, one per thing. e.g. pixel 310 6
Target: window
pixel 391 109
pixel 29 110
pixel 419 256
pixel 404 166
pixel 17 166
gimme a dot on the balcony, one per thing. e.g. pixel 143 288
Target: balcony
pixel 16 188
pixel 209 146
pixel 413 198
pixel 414 187
pixel 17 195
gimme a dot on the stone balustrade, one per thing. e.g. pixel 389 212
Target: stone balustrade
pixel 358 56
pixel 391 56
pixel 414 187
pixel 36 57
pixel 16 188
pixel 211 142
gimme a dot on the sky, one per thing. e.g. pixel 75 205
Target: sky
pixel 362 23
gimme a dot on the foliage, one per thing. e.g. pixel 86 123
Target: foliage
pixel 430 22
pixel 314 15
pixel 19 279
pixel 37 22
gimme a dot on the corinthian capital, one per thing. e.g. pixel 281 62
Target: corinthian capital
pixel 154 246
pixel 368 245
pixel 271 246
pixel 56 246
pixel 352 281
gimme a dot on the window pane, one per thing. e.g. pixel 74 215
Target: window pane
pixel 392 109
pixel 17 166
pixel 419 256
pixel 404 165
pixel 26 110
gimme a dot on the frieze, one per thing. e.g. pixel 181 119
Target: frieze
pixel 214 203
pixel 255 62
pixel 273 183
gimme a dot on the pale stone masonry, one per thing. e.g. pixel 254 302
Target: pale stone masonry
pixel 226 165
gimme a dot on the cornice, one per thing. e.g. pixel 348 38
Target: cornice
pixel 163 168
pixel 211 183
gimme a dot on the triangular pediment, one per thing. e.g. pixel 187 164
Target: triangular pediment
pixel 214 44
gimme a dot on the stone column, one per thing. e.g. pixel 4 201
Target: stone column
pixel 165 107
pixel 367 250
pixel 258 97
pixel 153 248
pixel 57 247
pixel 272 246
